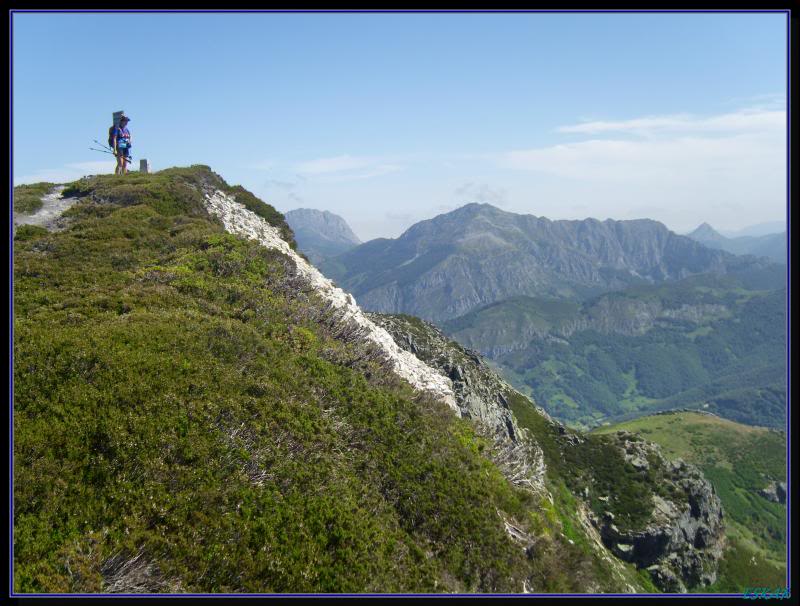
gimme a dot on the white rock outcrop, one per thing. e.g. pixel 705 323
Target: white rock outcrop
pixel 238 220
pixel 53 206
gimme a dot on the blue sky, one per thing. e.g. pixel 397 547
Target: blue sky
pixel 387 119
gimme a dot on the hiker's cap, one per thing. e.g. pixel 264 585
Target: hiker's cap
pixel 124 119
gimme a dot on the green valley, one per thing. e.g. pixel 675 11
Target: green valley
pixel 710 342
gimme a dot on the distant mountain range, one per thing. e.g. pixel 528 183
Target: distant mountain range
pixel 478 254
pixel 772 246
pixel 759 229
pixel 320 234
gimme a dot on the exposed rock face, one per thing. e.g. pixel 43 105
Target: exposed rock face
pixel 320 234
pixel 681 544
pixel 683 539
pixel 478 254
pixel 775 492
pixel 239 220
pixel 481 395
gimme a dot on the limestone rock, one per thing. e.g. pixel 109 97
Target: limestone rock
pixel 480 394
pixel 775 492
pixel 237 219
pixel 683 540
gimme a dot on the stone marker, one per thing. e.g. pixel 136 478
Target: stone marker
pixel 144 166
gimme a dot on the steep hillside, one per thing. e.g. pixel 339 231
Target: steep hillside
pixel 478 254
pixel 196 411
pixel 747 467
pixel 706 341
pixel 772 246
pixel 619 492
pixel 320 234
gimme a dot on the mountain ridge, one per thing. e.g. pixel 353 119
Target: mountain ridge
pixel 444 267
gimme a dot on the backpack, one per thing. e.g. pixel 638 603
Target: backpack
pixel 111 136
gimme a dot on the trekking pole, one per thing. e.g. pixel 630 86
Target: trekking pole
pixel 105 151
pixel 103 145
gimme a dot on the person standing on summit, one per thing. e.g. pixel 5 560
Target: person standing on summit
pixel 121 144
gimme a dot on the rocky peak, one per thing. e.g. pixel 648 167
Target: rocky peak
pixel 320 234
pixel 705 233
pixel 455 222
pixel 323 222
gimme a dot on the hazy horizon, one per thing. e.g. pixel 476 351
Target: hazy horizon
pixel 760 228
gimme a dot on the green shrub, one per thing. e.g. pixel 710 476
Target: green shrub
pixel 29 232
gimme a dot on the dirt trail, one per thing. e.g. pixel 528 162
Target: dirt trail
pixel 53 205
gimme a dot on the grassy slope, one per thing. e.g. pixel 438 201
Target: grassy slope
pixel 175 398
pixel 737 459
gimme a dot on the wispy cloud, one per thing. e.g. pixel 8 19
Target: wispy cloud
pixel 280 184
pixel 373 171
pixel 673 160
pixel 745 120
pixel 347 168
pixel 676 167
pixel 262 165
pixel 674 148
pixel 765 101
pixel 335 164
pixel 67 172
